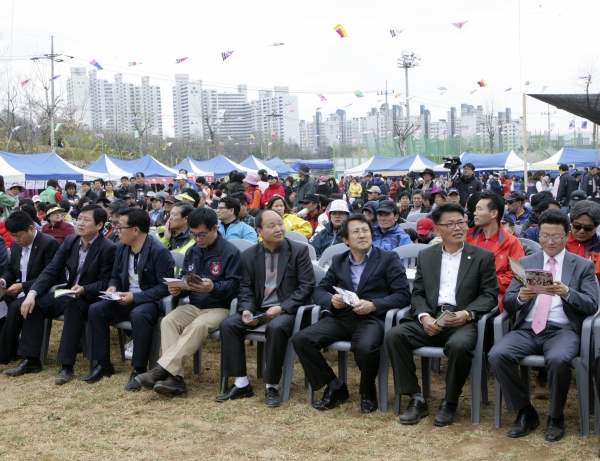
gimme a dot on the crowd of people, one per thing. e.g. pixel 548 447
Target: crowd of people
pixel 112 246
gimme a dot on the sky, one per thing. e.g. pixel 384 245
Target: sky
pixel 504 42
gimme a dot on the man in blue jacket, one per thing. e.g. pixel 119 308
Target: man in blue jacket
pixel 338 213
pixel 231 227
pixel 141 265
pixel 388 233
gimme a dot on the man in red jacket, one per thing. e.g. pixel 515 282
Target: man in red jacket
pixel 489 234
pixel 274 189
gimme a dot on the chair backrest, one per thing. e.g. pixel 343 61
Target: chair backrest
pixel 518 230
pixel 242 244
pixel 312 252
pixel 178 257
pixel 535 247
pixel 330 252
pixel 408 225
pixel 415 217
pixel 409 254
pixel 296 236
pixel 319 273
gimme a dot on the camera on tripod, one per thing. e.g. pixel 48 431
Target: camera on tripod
pixel 452 163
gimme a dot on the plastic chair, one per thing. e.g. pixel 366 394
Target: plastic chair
pixel 242 244
pixel 311 251
pixel 330 252
pixel 478 377
pixel 415 217
pixel 343 347
pixel 535 247
pixel 518 230
pixel 409 253
pixel 292 235
pixel 408 225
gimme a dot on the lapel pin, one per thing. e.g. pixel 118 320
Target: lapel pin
pixel 468 257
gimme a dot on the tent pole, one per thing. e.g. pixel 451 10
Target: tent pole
pixel 524 138
pixel 596 141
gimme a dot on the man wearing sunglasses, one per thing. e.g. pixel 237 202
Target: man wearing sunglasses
pixel 516 211
pixel 583 240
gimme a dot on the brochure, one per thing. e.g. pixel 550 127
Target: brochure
pixel 349 297
pixel 183 282
pixel 110 295
pixel 441 320
pixel 64 292
pixel 536 279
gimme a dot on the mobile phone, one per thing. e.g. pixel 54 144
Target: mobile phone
pixel 257 316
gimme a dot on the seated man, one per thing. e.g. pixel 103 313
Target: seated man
pixel 176 233
pixel 30 252
pixel 388 233
pixel 584 241
pixel 231 227
pixel 533 233
pixel 88 258
pixel 545 324
pixel 516 210
pixel 244 216
pixel 379 280
pixel 277 279
pixel 453 276
pixel 141 265
pixel 330 235
pixel 425 230
pixel 217 261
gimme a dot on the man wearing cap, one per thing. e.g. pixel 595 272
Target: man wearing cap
pixel 181 184
pixel 576 197
pixel 165 214
pixel 330 235
pixel 157 208
pixel 56 227
pixel 370 211
pixel 129 198
pixel 372 193
pixel 425 230
pixel 439 197
pixel 357 206
pixel 253 190
pixel 489 234
pixel 468 183
pixel 366 185
pixel 175 235
pixel 583 240
pixel 590 182
pixel 453 196
pixel 388 233
pixel 566 186
pixel 305 185
pixel 312 204
pixel 230 226
pixel 515 209
pixel 274 189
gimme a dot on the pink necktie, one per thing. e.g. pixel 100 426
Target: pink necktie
pixel 543 307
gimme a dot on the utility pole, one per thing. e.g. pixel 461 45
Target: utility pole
pixel 548 114
pixel 387 108
pixel 525 138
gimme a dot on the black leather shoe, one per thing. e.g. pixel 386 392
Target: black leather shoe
pixel 445 414
pixel 368 403
pixel 133 385
pixel 98 373
pixel 150 378
pixel 65 374
pixel 417 408
pixel 527 420
pixel 235 392
pixel 272 398
pixel 171 386
pixel 25 367
pixel 555 430
pixel 331 397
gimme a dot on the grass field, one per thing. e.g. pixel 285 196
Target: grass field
pixel 102 421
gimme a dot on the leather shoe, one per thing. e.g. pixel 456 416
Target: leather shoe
pixel 368 403
pixel 445 414
pixel 171 386
pixel 98 373
pixel 26 366
pixel 555 430
pixel 417 408
pixel 331 397
pixel 527 420
pixel 133 385
pixel 272 397
pixel 150 378
pixel 65 374
pixel 235 393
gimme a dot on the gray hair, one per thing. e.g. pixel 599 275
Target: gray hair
pixel 586 207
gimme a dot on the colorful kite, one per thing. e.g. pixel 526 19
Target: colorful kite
pixel 584 125
pixel 96 64
pixel 180 60
pixel 291 110
pixel 37 127
pixel 277 44
pixel 459 25
pixel 220 113
pixel 79 122
pixel 133 119
pixel 359 94
pixel 482 83
pixel 156 116
pixel 255 105
pixel 252 137
pixel 107 120
pixel 100 135
pixel 508 89
pixel 221 143
pixel 17 127
pixel 55 77
pixel 273 135
pixel 443 88
pixel 322 98
pixel 25 82
pixel 133 63
pixel 527 83
pixel 397 95
pixel 572 124
pixel 340 30
pixel 473 91
pixel 175 126
pixel 58 125
pixel 194 123
pixel 229 138
pixel 395 32
pixel 226 54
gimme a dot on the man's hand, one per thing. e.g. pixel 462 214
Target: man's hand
pixel 526 293
pixel 174 291
pixel 337 302
pixel 14 289
pixel 206 286
pixel 272 312
pixel 27 306
pixel 558 288
pixel 458 321
pixel 126 299
pixel 78 289
pixel 246 315
pixel 363 307
pixel 112 289
pixel 429 325
pixel 167 229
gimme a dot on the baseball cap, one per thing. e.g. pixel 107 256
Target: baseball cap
pixel 507 220
pixel 274 175
pixel 338 205
pixel 453 191
pixel 515 196
pixel 310 198
pixel 577 196
pixel 387 206
pixel 117 203
pixel 424 225
pixel 151 194
pixel 441 192
pixel 374 189
pixel 372 206
pixel 185 196
pixel 180 176
pixel 128 195
pixel 159 198
pixel 358 205
pixel 36 198
pixel 170 199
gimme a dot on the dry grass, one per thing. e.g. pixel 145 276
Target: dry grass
pixel 103 421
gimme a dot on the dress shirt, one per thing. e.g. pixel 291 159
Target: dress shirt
pixel 24 262
pixel 356 269
pixel 83 252
pixel 134 280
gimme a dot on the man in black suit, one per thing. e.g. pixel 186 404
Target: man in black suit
pixel 141 265
pixel 30 252
pixel 545 324
pixel 566 186
pixel 277 279
pixel 379 280
pixel 139 188
pixel 451 276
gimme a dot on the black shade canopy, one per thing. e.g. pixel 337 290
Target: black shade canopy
pixel 583 105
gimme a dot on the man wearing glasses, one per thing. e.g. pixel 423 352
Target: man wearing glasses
pixel 217 262
pixel 231 227
pixel 516 210
pixel 583 240
pixel 454 276
pixel 545 324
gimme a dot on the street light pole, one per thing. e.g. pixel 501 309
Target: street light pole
pixel 407 61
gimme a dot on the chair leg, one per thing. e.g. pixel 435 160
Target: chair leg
pixel 596 414
pixel 224 379
pixel 45 341
pixel 155 348
pixel 198 361
pixel 426 378
pixel 122 343
pixel 476 373
pixel 397 403
pixel 343 366
pixel 497 404
pixel 484 388
pixel 260 359
pixel 382 378
pixel 288 370
pixel 583 392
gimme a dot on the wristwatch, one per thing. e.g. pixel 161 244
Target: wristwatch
pixel 469 315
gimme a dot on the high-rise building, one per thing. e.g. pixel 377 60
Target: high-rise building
pixel 276 113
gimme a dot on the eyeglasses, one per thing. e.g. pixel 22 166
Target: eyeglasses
pixel 222 208
pixel 361 232
pixel 451 225
pixel 123 227
pixel 199 235
pixel 554 238
pixel 587 227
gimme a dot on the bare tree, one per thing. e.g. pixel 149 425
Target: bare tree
pixel 403 131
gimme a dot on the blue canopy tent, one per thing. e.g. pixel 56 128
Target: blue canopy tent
pixel 568 155
pixel 220 166
pixel 280 167
pixel 378 164
pixel 314 164
pixel 257 164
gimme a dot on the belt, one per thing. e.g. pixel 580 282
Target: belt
pixel 447 307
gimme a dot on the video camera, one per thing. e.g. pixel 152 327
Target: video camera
pixel 452 163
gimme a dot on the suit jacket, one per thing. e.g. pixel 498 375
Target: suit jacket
pixel 577 274
pixel 295 277
pixel 476 284
pixel 383 282
pixel 4 256
pixel 566 186
pixel 42 251
pixel 155 263
pixel 133 189
pixel 95 272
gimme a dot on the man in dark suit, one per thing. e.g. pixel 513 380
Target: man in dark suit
pixel 545 324
pixel 88 258
pixel 566 186
pixel 590 182
pixel 453 276
pixel 141 265
pixel 277 279
pixel 30 253
pixel 379 280
pixel 139 188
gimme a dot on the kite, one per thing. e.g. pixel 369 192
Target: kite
pixel 251 143
pixel 55 77
pixel 340 30
pixel 443 88
pixel 226 54
pixel 96 64
pixel 58 125
pixel 191 140
pixel 79 122
pixel 136 134
pixel 349 105
pixel 572 124
pixel 395 32
pixel 291 110
pixel 323 98
pixel 175 126
pixel 37 127
pixel 100 135
pixel 482 83
pixel 133 63
pixel 444 131
pixel 584 125
pixel 269 144
pixel 25 82
pixel 459 25
pixel 154 131
pixel 229 138
pixel 150 143
pixel 442 93
pixel 255 105
pixel 455 135
pixel 252 137
pixel 169 144
pixel 17 127
pixel 277 44
pixel 319 108
pixel 389 133
pixel 397 95
pixel 156 116
pixel 194 123
pixel 305 139
pixel 354 141
pixel 473 91
pixel 544 88
pixel 133 119
pixel 220 113
pixel 508 89
pixel 221 143
pixel 359 94
pixel 107 120
pixel 273 135
pixel 237 144
pixel 287 104
pixel 338 137
pixel 180 60
pixel 527 83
